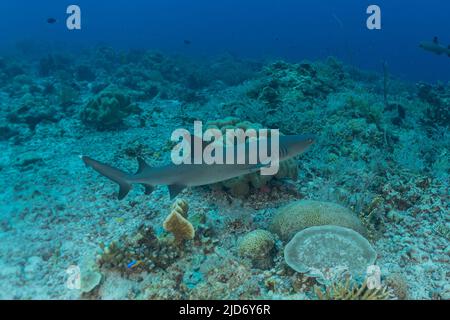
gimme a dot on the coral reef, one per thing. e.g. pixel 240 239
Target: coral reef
pixel 90 280
pixel 398 285
pixel 438 100
pixel 142 251
pixel 32 110
pixel 299 215
pixel 258 246
pixel 108 109
pixel 177 223
pixel 347 290
pixel 386 161
pixel 324 251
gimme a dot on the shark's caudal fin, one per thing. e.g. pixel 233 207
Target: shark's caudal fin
pixel 116 175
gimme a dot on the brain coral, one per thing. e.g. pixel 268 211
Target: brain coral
pixel 319 250
pixel 108 109
pixel 303 214
pixel 241 186
pixel 258 246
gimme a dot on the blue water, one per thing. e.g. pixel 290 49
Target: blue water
pixel 288 29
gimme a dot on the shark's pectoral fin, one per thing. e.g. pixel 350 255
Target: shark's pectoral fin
pixel 148 189
pixel 124 188
pixel 175 189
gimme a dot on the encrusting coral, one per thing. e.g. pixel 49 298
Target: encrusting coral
pixel 177 223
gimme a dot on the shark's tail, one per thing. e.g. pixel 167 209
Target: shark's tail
pixel 116 175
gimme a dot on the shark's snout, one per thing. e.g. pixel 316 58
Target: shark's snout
pixel 310 139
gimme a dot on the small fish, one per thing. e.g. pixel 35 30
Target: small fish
pixel 187 42
pixel 134 264
pixel 51 20
pixel 120 220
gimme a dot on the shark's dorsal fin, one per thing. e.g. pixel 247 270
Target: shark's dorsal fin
pixel 174 190
pixel 142 165
pixel 436 40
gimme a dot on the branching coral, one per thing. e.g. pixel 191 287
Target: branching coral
pixel 348 290
pixel 177 223
pixel 142 251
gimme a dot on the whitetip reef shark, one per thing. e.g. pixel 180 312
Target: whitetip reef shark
pixel 178 177
pixel 435 47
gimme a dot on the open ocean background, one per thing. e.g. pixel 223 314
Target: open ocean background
pixel 289 29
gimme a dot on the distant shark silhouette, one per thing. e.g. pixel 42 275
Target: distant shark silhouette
pixel 435 47
pixel 178 177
